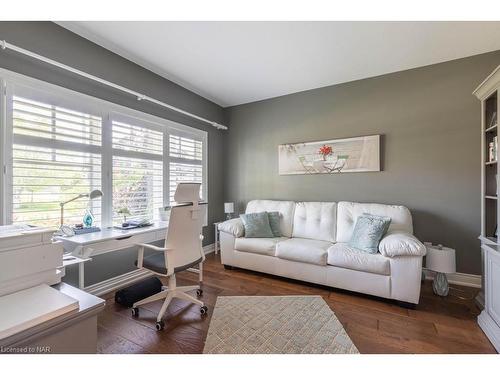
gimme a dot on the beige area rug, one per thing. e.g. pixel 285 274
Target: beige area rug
pixel 276 325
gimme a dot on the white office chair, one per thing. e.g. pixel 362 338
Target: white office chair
pixel 182 250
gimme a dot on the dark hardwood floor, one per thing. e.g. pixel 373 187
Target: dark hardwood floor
pixel 437 325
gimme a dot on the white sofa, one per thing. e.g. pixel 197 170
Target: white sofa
pixel 313 248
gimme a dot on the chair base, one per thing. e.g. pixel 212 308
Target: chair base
pixel 168 293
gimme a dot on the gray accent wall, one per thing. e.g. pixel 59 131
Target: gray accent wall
pixel 57 43
pixel 430 126
pixel 428 118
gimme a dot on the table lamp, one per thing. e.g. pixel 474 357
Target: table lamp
pixel 228 210
pixel 442 261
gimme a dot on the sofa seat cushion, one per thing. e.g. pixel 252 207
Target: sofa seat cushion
pixel 263 246
pixel 344 256
pixel 303 250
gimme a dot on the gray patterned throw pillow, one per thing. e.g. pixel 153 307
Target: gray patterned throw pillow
pixel 257 225
pixel 368 232
pixel 274 222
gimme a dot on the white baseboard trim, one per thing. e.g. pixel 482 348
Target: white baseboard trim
pixel 128 278
pixel 117 282
pixel 480 300
pixel 490 328
pixel 463 279
pixel 209 248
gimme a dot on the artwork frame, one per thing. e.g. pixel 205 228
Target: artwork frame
pixel 334 156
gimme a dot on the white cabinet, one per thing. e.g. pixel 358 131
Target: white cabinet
pixel 489 319
pixel 28 257
pixel 488 92
pixel 493 284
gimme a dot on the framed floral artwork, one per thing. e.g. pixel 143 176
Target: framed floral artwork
pixel 359 154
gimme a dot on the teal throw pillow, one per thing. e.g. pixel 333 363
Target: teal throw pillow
pixel 274 221
pixel 368 232
pixel 257 225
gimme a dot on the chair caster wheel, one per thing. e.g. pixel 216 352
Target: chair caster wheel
pixel 135 311
pixel 199 292
pixel 160 325
pixel 203 310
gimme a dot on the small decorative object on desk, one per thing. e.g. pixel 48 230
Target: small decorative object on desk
pixel 229 210
pixel 88 218
pixel 124 211
pixel 441 260
pixel 85 230
pixel 133 224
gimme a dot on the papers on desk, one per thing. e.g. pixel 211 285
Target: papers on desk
pixel 29 307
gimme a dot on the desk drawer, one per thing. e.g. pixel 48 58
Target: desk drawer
pixel 121 242
pixel 161 235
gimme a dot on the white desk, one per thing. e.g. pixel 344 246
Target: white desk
pixel 83 246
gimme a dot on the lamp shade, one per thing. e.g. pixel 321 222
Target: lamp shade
pixel 228 208
pixel 441 260
pixel 95 194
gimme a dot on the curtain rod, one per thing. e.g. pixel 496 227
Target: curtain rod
pixel 4 45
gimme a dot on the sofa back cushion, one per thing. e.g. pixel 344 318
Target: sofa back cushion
pixel 348 213
pixel 285 208
pixel 315 220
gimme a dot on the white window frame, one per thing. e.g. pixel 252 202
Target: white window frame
pixel 13 83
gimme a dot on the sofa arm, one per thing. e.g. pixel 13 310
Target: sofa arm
pixel 397 244
pixel 234 227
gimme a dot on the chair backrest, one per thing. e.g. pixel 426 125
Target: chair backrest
pixel 185 226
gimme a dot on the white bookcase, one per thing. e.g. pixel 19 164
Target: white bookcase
pixel 489 319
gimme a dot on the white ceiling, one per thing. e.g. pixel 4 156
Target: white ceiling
pixel 232 63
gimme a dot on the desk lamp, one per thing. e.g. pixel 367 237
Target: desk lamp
pixel 93 195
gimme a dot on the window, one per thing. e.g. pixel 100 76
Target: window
pixel 137 171
pixel 59 144
pixel 185 166
pixel 46 169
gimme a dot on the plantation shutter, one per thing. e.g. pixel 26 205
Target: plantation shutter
pixel 186 155
pixel 137 171
pixel 56 155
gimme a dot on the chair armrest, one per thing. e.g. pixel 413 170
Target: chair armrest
pixel 234 227
pixel 397 244
pixel 142 246
pixel 153 247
